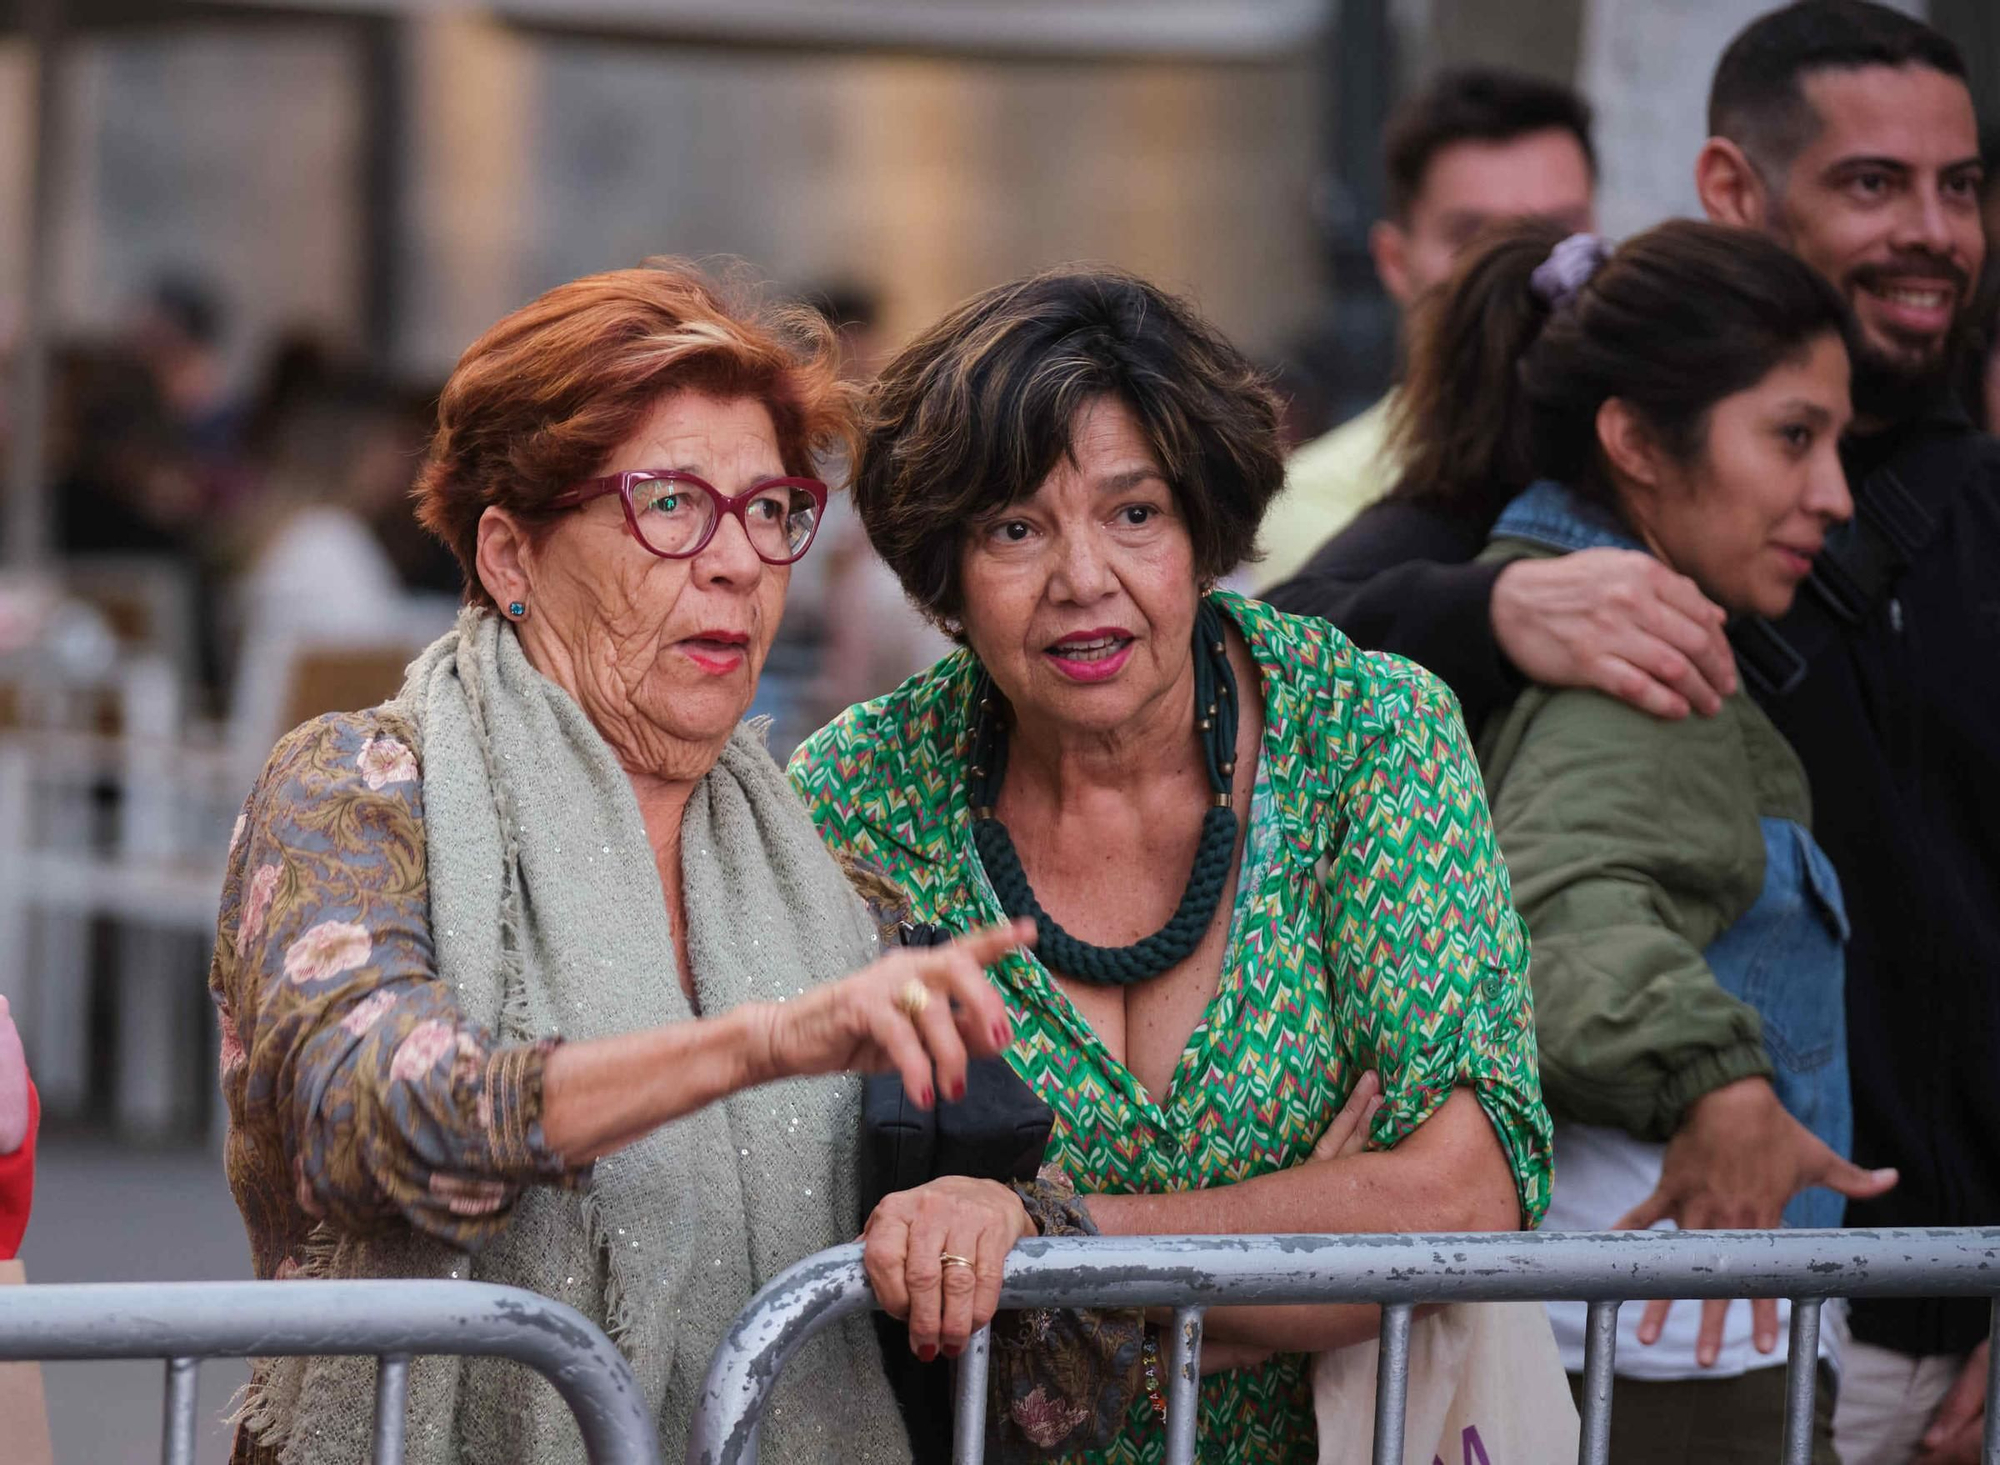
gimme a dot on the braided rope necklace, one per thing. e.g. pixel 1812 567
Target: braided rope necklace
pixel 1173 943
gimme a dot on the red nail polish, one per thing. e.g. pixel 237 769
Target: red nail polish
pixel 952 1350
pixel 924 1097
pixel 926 1353
pixel 957 1090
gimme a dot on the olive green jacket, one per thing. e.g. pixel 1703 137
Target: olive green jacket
pixel 1633 843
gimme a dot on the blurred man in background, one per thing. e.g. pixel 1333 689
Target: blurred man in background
pixel 178 336
pixel 1475 147
pixel 848 627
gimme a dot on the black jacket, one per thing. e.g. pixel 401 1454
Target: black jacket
pixel 1400 578
pixel 1898 724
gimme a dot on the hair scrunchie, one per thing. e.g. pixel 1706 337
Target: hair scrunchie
pixel 1568 268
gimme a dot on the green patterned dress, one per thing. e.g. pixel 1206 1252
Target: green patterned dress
pixel 1373 928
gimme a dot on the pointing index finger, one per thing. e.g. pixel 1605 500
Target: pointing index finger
pixel 989 943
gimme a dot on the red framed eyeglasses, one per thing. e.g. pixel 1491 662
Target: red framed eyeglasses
pixel 674 513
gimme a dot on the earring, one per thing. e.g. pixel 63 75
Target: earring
pixel 517 609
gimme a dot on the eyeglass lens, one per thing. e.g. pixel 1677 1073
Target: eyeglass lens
pixel 675 517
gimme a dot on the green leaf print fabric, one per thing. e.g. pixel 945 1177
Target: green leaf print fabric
pixel 1373 928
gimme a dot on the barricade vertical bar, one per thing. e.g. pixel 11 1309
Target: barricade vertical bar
pixel 177 1447
pixel 1392 1384
pixel 392 1389
pixel 1801 1381
pixel 1989 1447
pixel 1183 1385
pixel 968 1419
pixel 1600 1357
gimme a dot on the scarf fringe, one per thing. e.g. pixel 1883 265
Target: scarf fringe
pixel 618 1319
pixel 263 1406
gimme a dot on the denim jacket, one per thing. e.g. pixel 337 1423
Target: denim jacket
pixel 1687 930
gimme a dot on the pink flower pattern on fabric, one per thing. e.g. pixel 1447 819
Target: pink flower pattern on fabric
pixel 257 904
pixel 368 1013
pixel 420 1051
pixel 332 969
pixel 469 1063
pixel 1046 1421
pixel 464 1196
pixel 233 1056
pixel 385 761
pixel 327 950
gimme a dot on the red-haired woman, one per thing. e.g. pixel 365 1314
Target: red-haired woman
pixel 552 897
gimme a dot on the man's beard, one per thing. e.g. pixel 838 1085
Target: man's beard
pixel 1890 388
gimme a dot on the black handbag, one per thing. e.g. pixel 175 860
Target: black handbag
pixel 998 1131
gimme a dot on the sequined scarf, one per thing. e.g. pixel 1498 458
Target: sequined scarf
pixel 549 919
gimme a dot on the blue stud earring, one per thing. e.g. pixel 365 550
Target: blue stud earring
pixel 517 609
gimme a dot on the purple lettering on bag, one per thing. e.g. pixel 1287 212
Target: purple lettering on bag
pixel 1474 1447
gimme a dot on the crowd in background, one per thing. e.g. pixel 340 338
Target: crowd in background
pixel 303 477
pixel 154 453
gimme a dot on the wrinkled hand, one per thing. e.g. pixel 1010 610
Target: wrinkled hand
pixel 1953 1437
pixel 1735 1162
pixel 1348 1134
pixel 13 1085
pixel 857 1024
pixel 1619 621
pixel 903 1249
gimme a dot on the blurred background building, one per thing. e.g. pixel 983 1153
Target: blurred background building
pixel 245 240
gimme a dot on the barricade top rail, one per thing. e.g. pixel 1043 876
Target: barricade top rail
pixel 1193 1273
pixel 184 1322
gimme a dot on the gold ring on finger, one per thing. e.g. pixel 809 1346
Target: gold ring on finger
pixel 912 998
pixel 953 1259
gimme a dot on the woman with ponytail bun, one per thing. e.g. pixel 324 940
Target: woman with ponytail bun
pixel 1679 397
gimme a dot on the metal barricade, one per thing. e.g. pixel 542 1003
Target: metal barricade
pixel 186 1322
pixel 1194 1273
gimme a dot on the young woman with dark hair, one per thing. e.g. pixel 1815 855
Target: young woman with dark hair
pixel 1682 395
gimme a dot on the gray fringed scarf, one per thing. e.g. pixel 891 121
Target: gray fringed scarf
pixel 548 918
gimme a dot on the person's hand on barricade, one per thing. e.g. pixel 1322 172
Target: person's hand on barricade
pixel 1736 1161
pixel 1953 1436
pixel 1619 621
pixel 13 1085
pixel 935 1255
pixel 918 1008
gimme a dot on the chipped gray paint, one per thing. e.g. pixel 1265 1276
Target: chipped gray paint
pixel 194 1320
pixel 1196 1272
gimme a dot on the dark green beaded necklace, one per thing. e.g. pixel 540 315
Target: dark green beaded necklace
pixel 1215 722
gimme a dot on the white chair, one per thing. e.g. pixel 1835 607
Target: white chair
pixel 131 828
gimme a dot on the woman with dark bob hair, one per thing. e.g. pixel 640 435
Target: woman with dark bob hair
pixel 1258 859
pixel 553 905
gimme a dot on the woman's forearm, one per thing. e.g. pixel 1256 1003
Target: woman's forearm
pixel 601 1095
pixel 1450 1175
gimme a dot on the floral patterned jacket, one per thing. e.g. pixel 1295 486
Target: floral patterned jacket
pixel 359 1097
